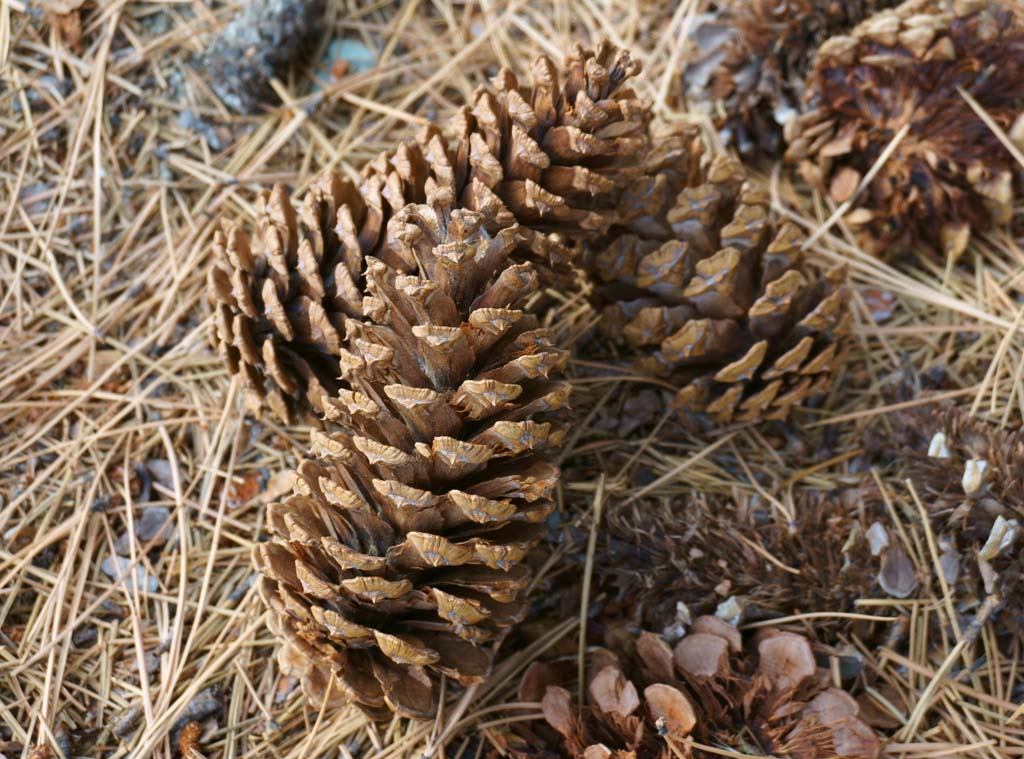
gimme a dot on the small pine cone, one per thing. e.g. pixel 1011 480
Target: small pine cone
pixel 725 308
pixel 555 156
pixel 754 56
pixel 904 68
pixel 400 558
pixel 710 683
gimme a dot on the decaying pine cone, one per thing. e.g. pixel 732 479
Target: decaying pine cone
pixel 721 302
pixel 399 560
pixel 555 155
pixel 260 43
pixel 969 475
pixel 712 556
pixel 766 697
pixel 905 67
pixel 754 58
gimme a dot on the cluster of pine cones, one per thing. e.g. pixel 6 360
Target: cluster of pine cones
pixel 403 318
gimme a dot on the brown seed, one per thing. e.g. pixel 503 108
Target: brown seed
pixel 612 693
pixel 558 711
pixel 715 626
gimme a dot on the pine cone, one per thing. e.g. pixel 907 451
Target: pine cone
pixel 555 156
pixel 725 308
pixel 754 57
pixel 904 67
pixel 770 695
pixel 400 559
pixel 279 310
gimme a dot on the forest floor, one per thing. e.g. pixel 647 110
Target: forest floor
pixel 133 485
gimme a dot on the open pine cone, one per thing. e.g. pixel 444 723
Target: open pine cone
pixel 554 155
pixel 768 698
pixel 903 67
pixel 399 561
pixel 754 58
pixel 720 301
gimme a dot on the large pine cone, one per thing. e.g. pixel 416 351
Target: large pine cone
pixel 555 156
pixel 643 691
pixel 725 308
pixel 904 67
pixel 400 560
pixel 754 57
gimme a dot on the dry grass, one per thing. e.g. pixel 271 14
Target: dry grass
pixel 111 403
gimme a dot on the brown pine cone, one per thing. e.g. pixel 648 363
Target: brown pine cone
pixel 400 559
pixel 279 310
pixel 554 156
pixel 754 58
pixel 768 695
pixel 556 153
pixel 725 308
pixel 904 67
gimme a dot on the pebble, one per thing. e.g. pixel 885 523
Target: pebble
pixel 116 567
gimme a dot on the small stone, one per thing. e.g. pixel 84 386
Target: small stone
pixel 160 469
pixel 119 568
pixel 152 527
pixel 84 636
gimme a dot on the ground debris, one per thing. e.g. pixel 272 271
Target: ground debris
pixel 260 43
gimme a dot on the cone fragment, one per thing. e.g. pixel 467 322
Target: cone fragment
pixel 399 560
pixel 969 475
pixel 714 296
pixel 707 689
pixel 905 69
pixel 707 550
pixel 554 155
